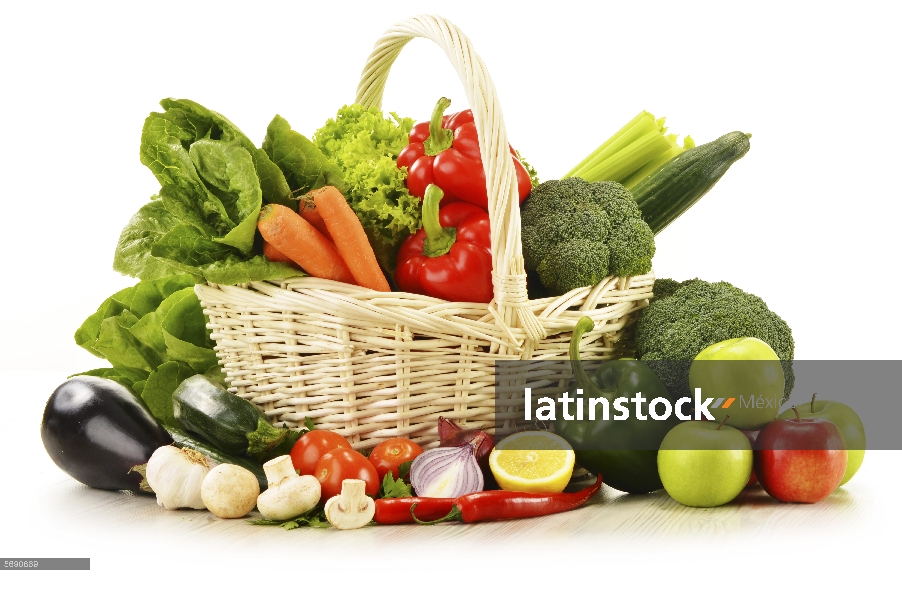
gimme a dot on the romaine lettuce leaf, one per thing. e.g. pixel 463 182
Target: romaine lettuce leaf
pixel 157 390
pixel 133 251
pixel 228 170
pixel 152 353
pixel 214 182
pixel 183 193
pixel 233 271
pixel 304 165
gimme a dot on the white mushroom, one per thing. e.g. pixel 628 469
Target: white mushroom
pixel 289 494
pixel 229 491
pixel 352 508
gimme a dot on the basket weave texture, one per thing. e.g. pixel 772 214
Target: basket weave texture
pixel 374 365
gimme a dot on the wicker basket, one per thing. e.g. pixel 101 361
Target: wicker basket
pixel 372 365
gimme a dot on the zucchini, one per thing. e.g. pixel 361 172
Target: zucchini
pixel 183 440
pixel 227 421
pixel 682 181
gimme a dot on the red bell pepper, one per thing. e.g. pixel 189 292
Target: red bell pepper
pixel 445 151
pixel 451 256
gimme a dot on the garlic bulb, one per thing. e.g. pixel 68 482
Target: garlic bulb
pixel 176 474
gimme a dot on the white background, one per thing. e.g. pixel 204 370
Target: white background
pixel 807 220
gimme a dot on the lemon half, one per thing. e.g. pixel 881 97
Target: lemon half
pixel 532 461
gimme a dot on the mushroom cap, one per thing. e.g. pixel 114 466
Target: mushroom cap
pixel 229 491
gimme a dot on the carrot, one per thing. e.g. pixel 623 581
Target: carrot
pixel 350 239
pixel 274 255
pixel 307 209
pixel 301 242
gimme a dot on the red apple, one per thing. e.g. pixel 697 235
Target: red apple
pixel 800 460
pixel 752 436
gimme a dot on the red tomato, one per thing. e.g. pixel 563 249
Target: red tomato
pixel 389 455
pixel 344 463
pixel 311 446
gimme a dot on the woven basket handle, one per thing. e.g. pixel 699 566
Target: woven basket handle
pixel 508 273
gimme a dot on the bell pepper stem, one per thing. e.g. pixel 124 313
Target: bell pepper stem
pixel 439 138
pixel 584 325
pixel 438 239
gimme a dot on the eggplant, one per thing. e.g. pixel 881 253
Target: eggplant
pixel 96 430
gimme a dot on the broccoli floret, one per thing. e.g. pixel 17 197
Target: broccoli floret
pixel 550 196
pixel 665 287
pixel 689 317
pixel 581 221
pixel 573 209
pixel 621 209
pixel 574 264
pixel 632 244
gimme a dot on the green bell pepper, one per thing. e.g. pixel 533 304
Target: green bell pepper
pixel 623 452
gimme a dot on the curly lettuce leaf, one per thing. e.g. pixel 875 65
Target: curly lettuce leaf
pixel 365 146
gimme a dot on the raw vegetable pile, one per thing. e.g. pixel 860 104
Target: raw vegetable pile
pixel 384 204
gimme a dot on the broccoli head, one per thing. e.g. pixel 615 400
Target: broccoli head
pixel 603 213
pixel 574 264
pixel 685 318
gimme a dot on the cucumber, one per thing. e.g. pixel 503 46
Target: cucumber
pixel 681 182
pixel 227 421
pixel 183 440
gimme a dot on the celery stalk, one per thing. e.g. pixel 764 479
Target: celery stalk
pixel 629 159
pixel 641 124
pixel 658 162
pixel 637 149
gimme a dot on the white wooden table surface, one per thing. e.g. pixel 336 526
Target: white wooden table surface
pixel 751 547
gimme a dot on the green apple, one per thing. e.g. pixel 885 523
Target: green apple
pixel 746 370
pixel 704 464
pixel 846 420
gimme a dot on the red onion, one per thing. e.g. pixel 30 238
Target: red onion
pixel 451 435
pixel 447 472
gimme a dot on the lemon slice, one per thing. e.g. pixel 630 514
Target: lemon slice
pixel 532 461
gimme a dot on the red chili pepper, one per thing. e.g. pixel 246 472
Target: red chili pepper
pixel 498 505
pixel 395 511
pixel 451 257
pixel 445 151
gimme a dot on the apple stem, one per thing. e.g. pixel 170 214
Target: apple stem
pixel 813 396
pixel 798 416
pixel 722 422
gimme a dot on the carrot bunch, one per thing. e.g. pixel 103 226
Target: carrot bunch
pixel 326 239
